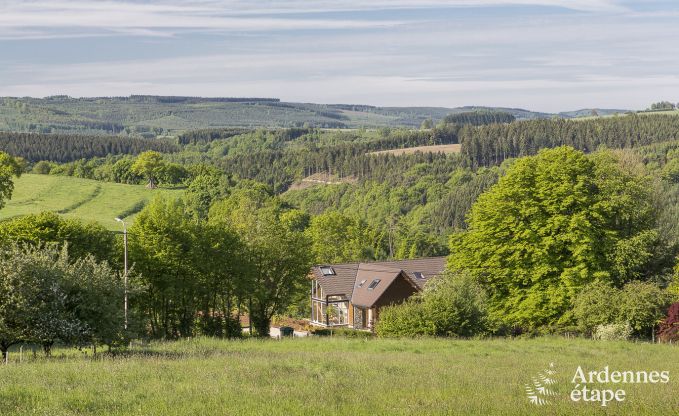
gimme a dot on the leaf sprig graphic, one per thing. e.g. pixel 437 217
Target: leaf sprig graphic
pixel 538 391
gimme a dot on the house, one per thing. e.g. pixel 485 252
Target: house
pixel 351 294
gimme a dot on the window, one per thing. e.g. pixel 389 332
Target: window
pixel 317 290
pixel 327 271
pixel 374 284
pixel 362 283
pixel 419 275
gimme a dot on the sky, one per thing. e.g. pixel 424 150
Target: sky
pixel 542 55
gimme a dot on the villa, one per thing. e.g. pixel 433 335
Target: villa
pixel 352 294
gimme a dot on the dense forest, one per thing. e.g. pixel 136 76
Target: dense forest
pixel 330 196
pixel 411 202
pixel 67 148
pixel 479 118
pixel 491 144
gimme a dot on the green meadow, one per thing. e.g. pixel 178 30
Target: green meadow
pixel 84 199
pixel 321 376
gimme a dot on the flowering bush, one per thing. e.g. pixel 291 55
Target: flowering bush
pixel 613 332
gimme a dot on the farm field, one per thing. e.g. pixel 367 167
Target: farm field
pixel 85 199
pixel 320 376
pixel 440 148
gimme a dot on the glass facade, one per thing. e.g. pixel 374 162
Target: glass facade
pixel 330 311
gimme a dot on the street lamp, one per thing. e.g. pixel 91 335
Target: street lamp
pixel 125 275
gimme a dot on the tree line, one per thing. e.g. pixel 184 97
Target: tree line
pixel 69 147
pixel 479 117
pixel 490 145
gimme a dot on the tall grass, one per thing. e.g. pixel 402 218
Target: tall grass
pixel 322 376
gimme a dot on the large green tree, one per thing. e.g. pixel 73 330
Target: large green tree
pixel 553 223
pixel 46 297
pixel 189 269
pixel 278 255
pixel 151 165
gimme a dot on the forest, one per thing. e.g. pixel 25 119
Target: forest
pixel 245 203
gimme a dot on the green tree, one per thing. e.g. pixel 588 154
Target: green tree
pixel 151 165
pixel 643 305
pixel 203 191
pixel 278 255
pixel 9 169
pixel 552 224
pixel 453 305
pixel 598 303
pixel 48 227
pixel 427 124
pixel 42 168
pixel 95 294
pixel 173 173
pixel 337 238
pixel 163 251
pixel 46 298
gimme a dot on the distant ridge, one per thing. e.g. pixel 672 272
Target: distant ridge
pixel 150 116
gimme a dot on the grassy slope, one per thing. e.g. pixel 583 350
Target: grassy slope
pixel 334 376
pixel 80 198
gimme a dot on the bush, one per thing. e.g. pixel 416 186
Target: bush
pixel 42 168
pixel 596 304
pixel 613 332
pixel 643 305
pixel 451 305
pixel 406 320
pixel 669 328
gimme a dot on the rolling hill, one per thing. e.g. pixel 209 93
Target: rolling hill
pixel 85 199
pixel 153 116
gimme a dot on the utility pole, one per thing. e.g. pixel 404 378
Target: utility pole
pixel 125 265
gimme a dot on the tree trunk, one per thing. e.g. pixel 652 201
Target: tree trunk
pixel 4 354
pixel 261 322
pixel 47 348
pixel 151 184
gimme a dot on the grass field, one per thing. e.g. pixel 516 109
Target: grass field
pixel 79 198
pixel 440 148
pixel 321 376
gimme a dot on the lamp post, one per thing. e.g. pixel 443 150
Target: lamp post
pixel 125 275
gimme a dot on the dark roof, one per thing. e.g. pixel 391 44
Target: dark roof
pixel 349 275
pixel 428 266
pixel 342 283
pixel 365 296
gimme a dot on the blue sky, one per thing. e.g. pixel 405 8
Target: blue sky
pixel 548 55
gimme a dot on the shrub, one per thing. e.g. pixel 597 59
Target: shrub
pixel 669 328
pixel 613 332
pixel 643 305
pixel 451 305
pixel 406 320
pixel 640 304
pixel 596 304
pixel 42 168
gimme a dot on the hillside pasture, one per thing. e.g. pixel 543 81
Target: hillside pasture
pixel 321 376
pixel 440 148
pixel 84 199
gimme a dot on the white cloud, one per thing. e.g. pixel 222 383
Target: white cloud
pixel 600 55
pixel 151 18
